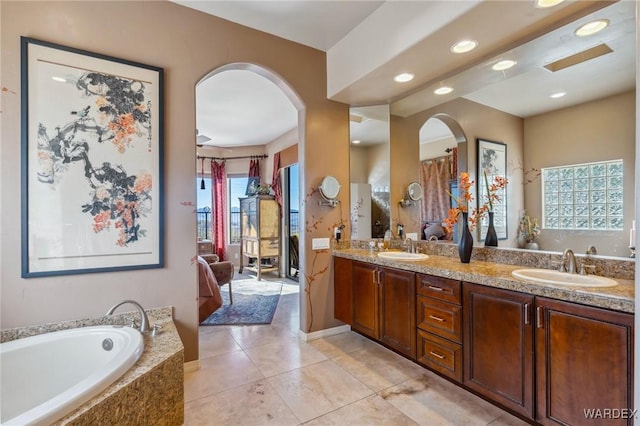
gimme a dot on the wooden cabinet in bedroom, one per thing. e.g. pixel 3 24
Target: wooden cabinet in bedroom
pixel 259 234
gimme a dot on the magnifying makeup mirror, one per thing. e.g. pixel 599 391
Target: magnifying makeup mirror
pixel 413 194
pixel 329 189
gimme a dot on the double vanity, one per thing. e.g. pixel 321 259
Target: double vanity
pixel 504 326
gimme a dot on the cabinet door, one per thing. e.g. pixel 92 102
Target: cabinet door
pixel 398 310
pixel 584 359
pixel 342 289
pixel 365 299
pixel 498 342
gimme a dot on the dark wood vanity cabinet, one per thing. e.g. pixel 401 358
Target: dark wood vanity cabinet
pixel 583 356
pixel 342 289
pixel 550 361
pixel 498 360
pixel 439 321
pixel 377 302
pixel 397 310
pixel 584 361
pixel 365 296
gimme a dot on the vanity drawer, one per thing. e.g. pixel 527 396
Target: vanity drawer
pixel 440 355
pixel 440 318
pixel 439 288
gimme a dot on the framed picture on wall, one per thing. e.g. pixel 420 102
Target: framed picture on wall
pixel 92 182
pixel 492 163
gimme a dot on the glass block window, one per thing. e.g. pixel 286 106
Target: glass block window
pixel 583 196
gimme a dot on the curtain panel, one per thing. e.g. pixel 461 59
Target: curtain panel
pixel 435 175
pixel 219 201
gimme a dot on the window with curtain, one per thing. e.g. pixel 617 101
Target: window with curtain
pixel 237 185
pixel 204 209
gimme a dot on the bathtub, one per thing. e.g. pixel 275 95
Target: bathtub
pixel 45 377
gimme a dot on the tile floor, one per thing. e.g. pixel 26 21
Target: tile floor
pixel 265 375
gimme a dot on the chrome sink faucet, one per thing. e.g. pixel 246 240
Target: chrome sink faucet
pixel 569 261
pixel 144 320
pixel 410 245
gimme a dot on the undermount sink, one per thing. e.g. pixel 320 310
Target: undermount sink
pixel 548 276
pixel 401 255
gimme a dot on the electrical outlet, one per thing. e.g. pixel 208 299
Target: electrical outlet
pixel 236 255
pixel 412 235
pixel 320 243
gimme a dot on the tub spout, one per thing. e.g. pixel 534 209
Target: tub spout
pixel 144 320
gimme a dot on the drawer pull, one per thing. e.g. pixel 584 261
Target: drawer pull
pixel 433 317
pixel 437 355
pixel 432 287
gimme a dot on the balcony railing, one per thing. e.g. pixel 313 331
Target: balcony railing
pixel 205 231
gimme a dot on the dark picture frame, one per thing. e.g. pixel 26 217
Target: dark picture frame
pixel 92 162
pixel 492 160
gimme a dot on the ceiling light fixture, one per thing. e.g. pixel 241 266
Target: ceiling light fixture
pixel 404 77
pixel 592 27
pixel 443 90
pixel 547 3
pixel 59 79
pixel 356 142
pixel 558 95
pixel 464 46
pixel 503 65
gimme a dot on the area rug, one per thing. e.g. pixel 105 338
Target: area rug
pixel 254 302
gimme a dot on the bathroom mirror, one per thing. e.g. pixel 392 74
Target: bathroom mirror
pixel 508 91
pixel 370 168
pixel 329 189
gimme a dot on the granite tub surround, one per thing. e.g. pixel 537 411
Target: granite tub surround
pixel 491 273
pixel 150 393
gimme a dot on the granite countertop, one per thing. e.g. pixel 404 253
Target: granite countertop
pixel 619 298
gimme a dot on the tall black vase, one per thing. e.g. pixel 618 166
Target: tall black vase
pixel 491 240
pixel 465 246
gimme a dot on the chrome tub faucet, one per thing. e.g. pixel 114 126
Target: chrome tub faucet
pixel 144 320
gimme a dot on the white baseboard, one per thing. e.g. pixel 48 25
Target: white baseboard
pixel 191 366
pixel 306 337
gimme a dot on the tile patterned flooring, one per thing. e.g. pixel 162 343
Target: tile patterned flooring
pixel 265 375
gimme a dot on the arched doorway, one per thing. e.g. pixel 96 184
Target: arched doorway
pixel 443 155
pixel 236 103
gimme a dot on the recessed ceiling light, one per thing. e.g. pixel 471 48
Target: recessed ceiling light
pixel 464 46
pixel 443 90
pixel 547 3
pixel 558 95
pixel 59 79
pixel 404 77
pixel 592 27
pixel 503 65
pixel 356 142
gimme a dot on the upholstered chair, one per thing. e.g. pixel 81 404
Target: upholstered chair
pixel 223 271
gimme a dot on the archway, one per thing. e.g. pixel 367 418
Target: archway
pixel 217 150
pixel 443 155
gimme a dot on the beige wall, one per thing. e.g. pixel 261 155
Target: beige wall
pixel 188 45
pixel 594 131
pixel 476 121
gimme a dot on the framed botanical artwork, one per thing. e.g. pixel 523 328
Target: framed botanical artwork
pixel 92 179
pixel 492 163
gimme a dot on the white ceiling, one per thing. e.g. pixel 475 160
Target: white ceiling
pixel 234 106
